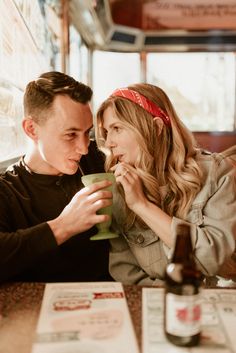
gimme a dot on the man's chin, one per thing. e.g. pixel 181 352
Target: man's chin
pixel 71 171
pixel 71 167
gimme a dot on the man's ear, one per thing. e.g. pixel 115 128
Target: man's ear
pixel 30 128
pixel 159 124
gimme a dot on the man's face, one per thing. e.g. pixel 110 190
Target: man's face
pixel 64 137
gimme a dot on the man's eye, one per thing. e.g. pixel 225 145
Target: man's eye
pixel 70 136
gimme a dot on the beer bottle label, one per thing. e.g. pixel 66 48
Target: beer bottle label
pixel 183 314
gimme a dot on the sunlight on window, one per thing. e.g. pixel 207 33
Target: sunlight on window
pixel 21 60
pixel 111 71
pixel 200 85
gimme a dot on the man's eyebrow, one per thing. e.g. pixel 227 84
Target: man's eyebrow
pixel 72 129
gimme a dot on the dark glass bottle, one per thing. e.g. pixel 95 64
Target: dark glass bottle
pixel 182 309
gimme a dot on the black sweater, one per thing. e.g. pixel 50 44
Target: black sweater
pixel 28 249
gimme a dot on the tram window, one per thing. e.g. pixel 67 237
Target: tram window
pixel 84 64
pixel 78 58
pixel 26 50
pixel 112 70
pixel 12 139
pixel 75 54
pixel 201 86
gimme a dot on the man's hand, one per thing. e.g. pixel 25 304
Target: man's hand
pixel 80 214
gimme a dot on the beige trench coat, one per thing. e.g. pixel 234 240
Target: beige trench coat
pixel 140 257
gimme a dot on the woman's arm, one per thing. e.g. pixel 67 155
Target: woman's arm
pixel 123 266
pixel 212 218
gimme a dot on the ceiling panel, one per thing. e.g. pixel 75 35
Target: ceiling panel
pixel 157 25
pixel 175 14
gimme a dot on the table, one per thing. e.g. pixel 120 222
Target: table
pixel 19 311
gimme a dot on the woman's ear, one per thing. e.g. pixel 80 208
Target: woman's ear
pixel 159 124
pixel 30 128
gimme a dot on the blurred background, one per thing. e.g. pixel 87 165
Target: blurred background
pixel 185 47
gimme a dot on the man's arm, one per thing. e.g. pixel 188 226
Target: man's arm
pixel 22 246
pixel 21 249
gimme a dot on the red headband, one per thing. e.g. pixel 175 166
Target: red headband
pixel 143 102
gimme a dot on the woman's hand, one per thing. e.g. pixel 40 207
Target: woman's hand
pixel 152 215
pixel 127 176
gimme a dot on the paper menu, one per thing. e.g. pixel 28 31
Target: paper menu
pixel 218 322
pixel 89 317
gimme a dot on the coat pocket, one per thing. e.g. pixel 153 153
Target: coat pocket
pixel 145 245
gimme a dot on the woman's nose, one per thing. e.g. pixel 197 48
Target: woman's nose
pixel 109 141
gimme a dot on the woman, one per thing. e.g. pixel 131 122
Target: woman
pixel 163 180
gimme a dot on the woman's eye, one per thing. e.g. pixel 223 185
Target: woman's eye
pixel 104 133
pixel 117 128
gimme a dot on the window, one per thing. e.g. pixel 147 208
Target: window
pixel 111 71
pixel 25 52
pixel 201 87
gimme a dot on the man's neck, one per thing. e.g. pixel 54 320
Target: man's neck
pixel 35 164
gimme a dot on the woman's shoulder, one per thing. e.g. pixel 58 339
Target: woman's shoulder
pixel 217 168
pixel 219 162
pixel 219 175
pixel 229 154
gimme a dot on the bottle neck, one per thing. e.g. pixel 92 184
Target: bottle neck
pixel 183 268
pixel 183 252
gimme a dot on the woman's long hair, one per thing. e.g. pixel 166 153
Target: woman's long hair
pixel 167 158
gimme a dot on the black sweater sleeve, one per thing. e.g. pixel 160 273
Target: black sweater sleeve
pixel 21 245
pixel 19 250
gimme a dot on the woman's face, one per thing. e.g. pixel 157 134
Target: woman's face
pixel 120 139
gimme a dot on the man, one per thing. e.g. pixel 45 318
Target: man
pixel 46 215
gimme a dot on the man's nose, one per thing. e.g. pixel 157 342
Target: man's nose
pixel 82 145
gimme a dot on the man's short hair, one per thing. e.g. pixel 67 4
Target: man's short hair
pixel 39 94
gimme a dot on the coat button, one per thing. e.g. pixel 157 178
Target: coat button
pixel 140 239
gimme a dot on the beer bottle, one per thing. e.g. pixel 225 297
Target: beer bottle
pixel 182 310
